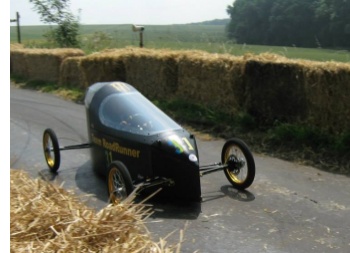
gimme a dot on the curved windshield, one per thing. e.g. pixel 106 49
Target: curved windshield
pixel 132 112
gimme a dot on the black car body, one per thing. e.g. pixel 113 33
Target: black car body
pixel 124 126
pixel 136 147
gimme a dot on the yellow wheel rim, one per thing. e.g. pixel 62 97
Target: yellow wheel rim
pixel 48 151
pixel 240 175
pixel 116 186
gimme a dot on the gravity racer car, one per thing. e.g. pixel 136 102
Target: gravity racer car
pixel 135 145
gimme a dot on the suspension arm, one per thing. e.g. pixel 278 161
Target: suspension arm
pixel 79 146
pixel 207 169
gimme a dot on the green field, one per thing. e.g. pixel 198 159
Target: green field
pixel 210 38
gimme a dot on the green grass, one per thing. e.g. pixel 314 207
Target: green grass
pixel 210 38
pixel 67 92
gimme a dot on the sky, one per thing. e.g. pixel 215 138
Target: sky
pixel 141 12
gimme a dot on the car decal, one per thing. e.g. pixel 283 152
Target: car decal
pixel 116 147
pixel 190 147
pixel 177 143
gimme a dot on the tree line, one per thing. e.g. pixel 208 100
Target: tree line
pixel 301 23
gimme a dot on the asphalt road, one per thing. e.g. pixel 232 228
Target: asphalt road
pixel 289 207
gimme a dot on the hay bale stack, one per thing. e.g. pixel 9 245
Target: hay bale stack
pixel 327 86
pixel 270 87
pixel 71 72
pixel 46 218
pixel 102 67
pixel 41 64
pixel 14 46
pixel 210 79
pixel 274 89
pixel 298 91
pixel 152 72
pixel 18 64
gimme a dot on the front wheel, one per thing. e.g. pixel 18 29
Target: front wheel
pixel 240 170
pixel 119 182
pixel 51 150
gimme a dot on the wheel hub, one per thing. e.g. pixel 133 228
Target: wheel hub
pixel 235 164
pixel 119 189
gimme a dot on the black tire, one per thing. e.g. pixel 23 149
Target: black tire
pixel 119 183
pixel 51 150
pixel 241 166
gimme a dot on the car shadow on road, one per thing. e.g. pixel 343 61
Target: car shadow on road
pixel 170 209
pixel 83 179
pixel 240 195
pixel 228 191
pixel 165 207
pixel 91 184
pixel 175 209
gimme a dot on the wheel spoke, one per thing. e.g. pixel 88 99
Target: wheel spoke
pixel 238 171
pixel 118 185
pixel 48 150
pixel 51 150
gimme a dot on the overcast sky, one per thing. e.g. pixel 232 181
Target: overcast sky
pixel 159 12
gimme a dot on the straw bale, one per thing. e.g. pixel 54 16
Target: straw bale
pixel 275 90
pixel 328 92
pixel 153 72
pixel 266 57
pixel 14 46
pixel 210 79
pixel 102 68
pixel 42 64
pixel 47 218
pixel 18 64
pixel 299 91
pixel 45 63
pixel 71 72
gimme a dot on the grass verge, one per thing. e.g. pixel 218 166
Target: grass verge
pixel 67 92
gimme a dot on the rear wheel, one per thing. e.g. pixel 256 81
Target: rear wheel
pixel 51 150
pixel 240 170
pixel 119 182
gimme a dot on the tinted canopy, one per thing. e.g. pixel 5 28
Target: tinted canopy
pixel 128 110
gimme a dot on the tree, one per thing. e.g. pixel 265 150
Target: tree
pixel 244 19
pixel 249 21
pixel 57 12
pixel 292 23
pixel 333 22
pixel 303 23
